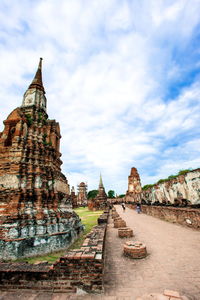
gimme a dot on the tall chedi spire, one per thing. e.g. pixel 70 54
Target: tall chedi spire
pixel 100 201
pixel 37 80
pixel 100 181
pixel 33 191
pixel 35 94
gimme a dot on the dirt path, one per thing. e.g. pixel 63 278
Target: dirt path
pixel 173 262
pixel 173 259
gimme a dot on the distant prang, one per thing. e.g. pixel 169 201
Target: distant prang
pixel 36 211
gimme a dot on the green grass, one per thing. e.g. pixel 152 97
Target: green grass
pixel 89 220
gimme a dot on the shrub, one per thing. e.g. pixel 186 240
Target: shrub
pixel 183 172
pixel 147 186
pixel 29 119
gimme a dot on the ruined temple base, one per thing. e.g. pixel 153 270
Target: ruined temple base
pixel 135 249
pixel 118 223
pixel 125 232
pixel 29 237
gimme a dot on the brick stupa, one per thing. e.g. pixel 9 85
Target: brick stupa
pixel 100 201
pixel 35 210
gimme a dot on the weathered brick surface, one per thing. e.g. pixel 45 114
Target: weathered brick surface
pixel 135 249
pixel 103 218
pixel 36 215
pixel 125 232
pixel 185 216
pixel 134 186
pixel 82 194
pixel 119 222
pixel 115 215
pixel 80 268
pixel 180 191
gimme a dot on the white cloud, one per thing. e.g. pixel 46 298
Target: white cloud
pixel 108 66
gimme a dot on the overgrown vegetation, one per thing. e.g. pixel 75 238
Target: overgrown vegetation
pixel 89 220
pixel 147 186
pixel 44 141
pixel 29 119
pixel 40 116
pixel 181 172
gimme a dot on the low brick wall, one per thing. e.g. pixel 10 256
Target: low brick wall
pixel 189 217
pixel 81 268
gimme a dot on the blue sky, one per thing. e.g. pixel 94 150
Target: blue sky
pixel 121 77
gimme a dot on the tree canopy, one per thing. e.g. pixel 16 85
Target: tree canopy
pixel 92 194
pixel 111 194
pixel 121 196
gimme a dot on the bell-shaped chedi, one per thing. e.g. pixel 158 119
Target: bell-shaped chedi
pixel 35 209
pixel 100 201
pixel 134 186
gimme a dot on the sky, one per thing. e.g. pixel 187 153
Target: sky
pixel 122 77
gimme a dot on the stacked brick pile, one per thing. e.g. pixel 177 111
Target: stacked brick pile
pixel 115 215
pixel 135 249
pixel 103 218
pixel 125 232
pixel 119 222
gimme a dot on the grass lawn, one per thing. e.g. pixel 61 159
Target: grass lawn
pixel 89 220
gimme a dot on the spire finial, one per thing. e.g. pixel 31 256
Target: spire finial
pixel 40 63
pixel 100 181
pixel 37 80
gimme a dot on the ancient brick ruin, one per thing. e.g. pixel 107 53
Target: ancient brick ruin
pixel 73 197
pixel 135 249
pixel 180 191
pixel 134 186
pixel 82 194
pixel 36 215
pixel 100 201
pixel 79 269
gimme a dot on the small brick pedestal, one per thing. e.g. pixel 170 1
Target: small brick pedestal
pixel 125 232
pixel 118 223
pixel 115 215
pixel 135 249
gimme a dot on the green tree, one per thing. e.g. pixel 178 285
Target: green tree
pixel 111 194
pixel 121 196
pixel 92 194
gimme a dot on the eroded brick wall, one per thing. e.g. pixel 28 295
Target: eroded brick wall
pixel 183 189
pixel 185 216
